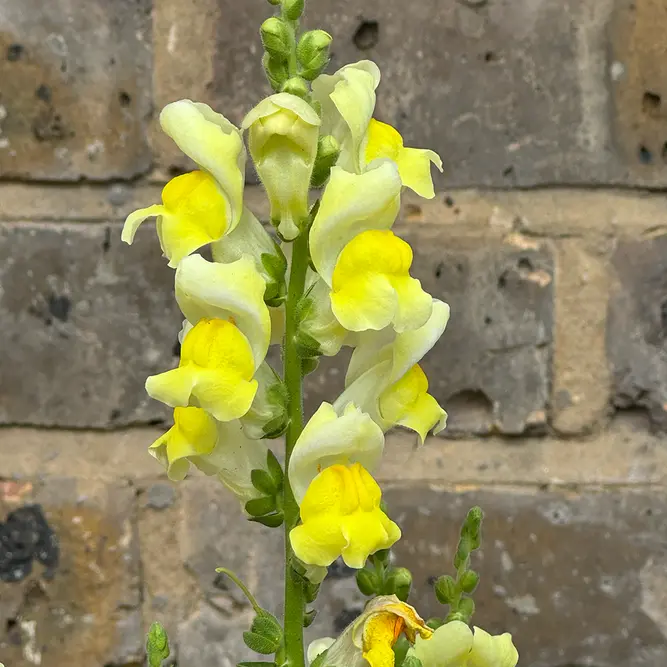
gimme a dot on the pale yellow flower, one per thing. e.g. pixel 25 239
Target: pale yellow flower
pixel 202 206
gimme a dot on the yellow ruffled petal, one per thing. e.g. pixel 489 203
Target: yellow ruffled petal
pixel 414 164
pixel 407 403
pixel 492 651
pixel 194 433
pixel 371 287
pixel 215 372
pixel 341 515
pixel 134 220
pixel 380 633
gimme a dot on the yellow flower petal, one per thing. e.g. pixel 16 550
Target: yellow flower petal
pixel 371 287
pixel 194 433
pixel 341 515
pixel 414 164
pixel 215 372
pixel 380 633
pixel 135 219
pixel 407 403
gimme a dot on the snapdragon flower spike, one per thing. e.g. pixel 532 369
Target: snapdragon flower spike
pixel 233 291
pixel 215 372
pixel 456 645
pixel 347 100
pixel 341 516
pixel 201 206
pixel 216 448
pixel 365 265
pixel 385 380
pixel 283 131
pixel 370 638
pixel 331 438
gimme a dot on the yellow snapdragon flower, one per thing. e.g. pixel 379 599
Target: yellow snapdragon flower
pixel 456 645
pixel 215 372
pixel 414 164
pixel 341 516
pixel 329 438
pixel 282 137
pixel 385 380
pixel 216 448
pixel 202 206
pixel 365 265
pixel 370 638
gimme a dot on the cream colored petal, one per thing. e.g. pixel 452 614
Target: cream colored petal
pixel 448 647
pixel 352 204
pixel 232 291
pixel 318 647
pixel 214 144
pixel 492 651
pixel 134 220
pixel 328 439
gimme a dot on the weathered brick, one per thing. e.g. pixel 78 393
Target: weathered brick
pixel 638 326
pixel 76 89
pixel 578 579
pixel 85 320
pixel 509 93
pixel 85 609
pixel 491 368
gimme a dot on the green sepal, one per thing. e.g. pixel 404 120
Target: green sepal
pixel 309 617
pixel 368 582
pixel 309 365
pixel 401 647
pixel 264 482
pixel 310 590
pixel 328 152
pixel 269 520
pixel 296 86
pixel 399 583
pixel 434 623
pixel 467 608
pixel 307 346
pixel 261 506
pixel 276 38
pixel 412 661
pixel 157 645
pixel 277 71
pixel 274 469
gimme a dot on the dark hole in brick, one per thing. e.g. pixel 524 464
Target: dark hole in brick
pixel 43 93
pixel 663 153
pixel 524 264
pixel 438 270
pixel 459 267
pixel 174 170
pixel 490 57
pixel 487 320
pixel 14 52
pixel 431 580
pixel 158 421
pixel 124 98
pixel 508 172
pixel 106 244
pixel 115 414
pixel 663 316
pixel 59 307
pixel 502 280
pixel 11 624
pixel 470 411
pixel 644 154
pixel 449 202
pixel 112 61
pixel 648 511
pixel 651 102
pixel 367 35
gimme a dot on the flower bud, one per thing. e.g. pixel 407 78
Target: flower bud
pixel 469 581
pixel 276 70
pixel 296 86
pixel 276 38
pixel 157 645
pixel 467 608
pixel 367 582
pixel 445 589
pixel 328 150
pixel 312 53
pixel 292 9
pixel 282 137
pixel 401 582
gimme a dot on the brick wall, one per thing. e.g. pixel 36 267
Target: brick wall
pixel 548 238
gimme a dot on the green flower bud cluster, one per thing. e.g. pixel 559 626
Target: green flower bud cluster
pixel 289 65
pixel 267 509
pixel 456 591
pixel 379 577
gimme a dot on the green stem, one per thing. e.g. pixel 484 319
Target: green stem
pixel 294 598
pixel 242 586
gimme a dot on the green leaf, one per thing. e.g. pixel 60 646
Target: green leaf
pixel 157 645
pixel 259 644
pixel 269 520
pixel 263 482
pixel 261 506
pixel 401 647
pixel 309 617
pixel 275 264
pixel 274 468
pixel 268 626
